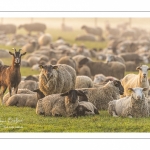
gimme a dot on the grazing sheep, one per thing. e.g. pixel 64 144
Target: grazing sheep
pixel 56 79
pixel 10 76
pixel 115 69
pixel 37 27
pixel 63 104
pixel 22 100
pixel 102 95
pixel 135 105
pixel 86 108
pixel 8 28
pixel 83 82
pixel 136 80
pixel 99 78
pixel 28 84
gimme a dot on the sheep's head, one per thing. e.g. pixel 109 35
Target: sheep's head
pixel 110 58
pixel 47 70
pixel 80 110
pixel 17 56
pixel 73 95
pixel 137 93
pixel 99 78
pixel 143 71
pixel 118 84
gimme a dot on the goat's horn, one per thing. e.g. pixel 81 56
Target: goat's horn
pixel 14 49
pixel 20 50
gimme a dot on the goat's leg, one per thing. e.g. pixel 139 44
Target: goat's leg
pixel 3 90
pixel 10 91
pixel 16 90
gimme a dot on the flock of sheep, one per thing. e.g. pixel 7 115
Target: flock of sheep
pixel 75 80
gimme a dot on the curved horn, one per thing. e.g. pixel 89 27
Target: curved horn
pixel 14 49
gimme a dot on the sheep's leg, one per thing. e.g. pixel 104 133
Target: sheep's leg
pixel 114 114
pixel 3 90
pixel 130 116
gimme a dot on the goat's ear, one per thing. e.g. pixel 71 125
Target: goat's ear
pixel 145 89
pixel 11 53
pixel 64 94
pixel 138 68
pixel 55 67
pixel 148 69
pixel 41 66
pixel 23 53
pixel 130 89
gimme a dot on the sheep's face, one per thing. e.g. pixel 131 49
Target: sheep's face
pixel 110 58
pixel 99 78
pixel 137 93
pixel 17 56
pixel 119 85
pixel 47 70
pixel 143 70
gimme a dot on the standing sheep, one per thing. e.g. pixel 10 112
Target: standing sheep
pixel 63 104
pixel 135 105
pixel 56 79
pixel 10 76
pixel 136 80
pixel 101 96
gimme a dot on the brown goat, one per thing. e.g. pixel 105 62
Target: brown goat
pixel 10 76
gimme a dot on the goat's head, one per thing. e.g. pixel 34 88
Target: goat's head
pixel 143 71
pixel 73 95
pixel 118 84
pixel 47 70
pixel 17 56
pixel 137 93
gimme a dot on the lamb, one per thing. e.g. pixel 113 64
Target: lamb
pixel 86 108
pixel 115 69
pixel 101 96
pixel 136 80
pixel 83 82
pixel 63 104
pixel 56 79
pixel 37 27
pixel 135 105
pixel 10 76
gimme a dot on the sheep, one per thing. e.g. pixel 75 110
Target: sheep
pixel 1 62
pixel 8 28
pixel 39 94
pixel 115 69
pixel 85 108
pixel 28 84
pixel 62 104
pixel 84 70
pixel 56 79
pixel 31 77
pixel 30 46
pixel 83 82
pixel 135 105
pixel 37 27
pixel 4 53
pixel 100 96
pixel 44 39
pixel 22 100
pixel 136 80
pixel 10 76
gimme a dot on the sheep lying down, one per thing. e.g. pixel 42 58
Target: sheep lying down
pixel 135 105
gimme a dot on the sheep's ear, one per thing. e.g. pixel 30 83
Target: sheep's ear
pixel 41 66
pixel 130 89
pixel 145 89
pixel 55 67
pixel 138 68
pixel 83 61
pixel 11 53
pixel 23 53
pixel 64 94
pixel 80 93
pixel 116 83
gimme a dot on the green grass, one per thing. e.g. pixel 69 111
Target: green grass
pixel 18 119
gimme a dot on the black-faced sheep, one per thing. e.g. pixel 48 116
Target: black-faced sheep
pixel 56 79
pixel 135 105
pixel 101 96
pixel 63 104
pixel 136 80
pixel 10 76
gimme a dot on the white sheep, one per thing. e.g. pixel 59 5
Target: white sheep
pixel 135 105
pixel 63 104
pixel 102 95
pixel 139 80
pixel 83 82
